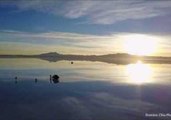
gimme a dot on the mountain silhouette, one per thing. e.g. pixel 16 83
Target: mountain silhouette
pixel 119 58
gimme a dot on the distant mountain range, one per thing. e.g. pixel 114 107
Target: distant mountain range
pixel 119 58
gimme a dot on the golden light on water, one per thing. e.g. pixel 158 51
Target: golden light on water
pixel 140 44
pixel 139 73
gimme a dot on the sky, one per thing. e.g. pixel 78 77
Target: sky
pixel 83 27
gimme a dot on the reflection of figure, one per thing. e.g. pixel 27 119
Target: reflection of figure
pixel 35 80
pixel 16 79
pixel 55 78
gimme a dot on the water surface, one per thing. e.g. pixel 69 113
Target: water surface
pixel 86 91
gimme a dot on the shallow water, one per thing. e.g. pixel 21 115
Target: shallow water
pixel 86 91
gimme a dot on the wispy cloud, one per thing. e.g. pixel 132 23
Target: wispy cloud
pixel 97 11
pixel 108 12
pixel 59 41
pixel 56 36
pixel 66 42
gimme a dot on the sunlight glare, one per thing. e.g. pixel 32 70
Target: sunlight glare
pixel 140 44
pixel 139 73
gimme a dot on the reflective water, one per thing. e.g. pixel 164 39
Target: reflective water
pixel 86 90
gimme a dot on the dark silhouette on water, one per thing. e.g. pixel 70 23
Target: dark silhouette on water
pixel 16 79
pixel 55 79
pixel 35 80
pixel 72 62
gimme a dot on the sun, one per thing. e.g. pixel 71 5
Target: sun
pixel 140 44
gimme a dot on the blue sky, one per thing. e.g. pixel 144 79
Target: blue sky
pixel 90 27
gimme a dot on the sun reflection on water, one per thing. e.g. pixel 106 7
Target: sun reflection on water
pixel 139 73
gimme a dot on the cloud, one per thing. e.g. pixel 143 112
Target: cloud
pixel 62 42
pixel 108 12
pixel 76 43
pixel 62 37
pixel 97 11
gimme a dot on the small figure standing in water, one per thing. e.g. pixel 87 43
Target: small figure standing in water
pixel 35 80
pixel 16 79
pixel 72 62
pixel 55 78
